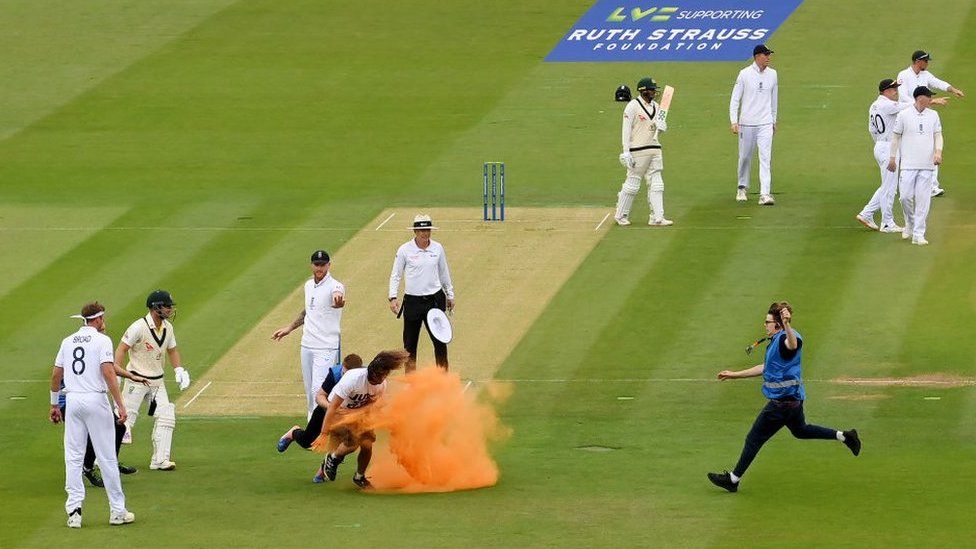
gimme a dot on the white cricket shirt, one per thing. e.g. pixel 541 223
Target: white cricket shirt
pixel 81 357
pixel 425 271
pixel 908 81
pixel 321 328
pixel 881 117
pixel 355 390
pixel 756 92
pixel 146 346
pixel 917 130
pixel 639 129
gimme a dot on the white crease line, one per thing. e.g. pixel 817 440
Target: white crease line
pixel 200 392
pixel 384 222
pixel 602 221
pixel 466 386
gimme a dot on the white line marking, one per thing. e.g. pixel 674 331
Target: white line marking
pixel 466 386
pixel 200 392
pixel 384 222
pixel 602 222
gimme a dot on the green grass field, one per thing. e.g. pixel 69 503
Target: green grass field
pixel 208 146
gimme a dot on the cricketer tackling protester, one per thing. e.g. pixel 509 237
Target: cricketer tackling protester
pixel 85 364
pixel 783 386
pixel 147 342
pixel 357 390
pixel 756 91
pixel 642 156
pixel 320 320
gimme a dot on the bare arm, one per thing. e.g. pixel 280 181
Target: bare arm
pixel 756 370
pixel 282 332
pixel 174 357
pixel 785 316
pixel 108 372
pixel 120 353
pixel 322 399
pixel 330 414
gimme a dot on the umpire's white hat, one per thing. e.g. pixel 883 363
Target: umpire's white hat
pixel 422 221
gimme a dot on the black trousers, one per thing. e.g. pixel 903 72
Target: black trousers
pixel 773 417
pixel 90 450
pixel 414 311
pixel 305 437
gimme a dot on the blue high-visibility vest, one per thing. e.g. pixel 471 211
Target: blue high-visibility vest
pixel 781 377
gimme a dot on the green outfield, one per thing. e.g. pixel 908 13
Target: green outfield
pixel 208 146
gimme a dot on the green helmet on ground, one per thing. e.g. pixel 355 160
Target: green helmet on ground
pixel 646 83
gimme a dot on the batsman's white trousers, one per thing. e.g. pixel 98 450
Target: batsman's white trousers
pixel 884 197
pixel 751 138
pixel 315 366
pixel 915 187
pixel 134 395
pixel 89 414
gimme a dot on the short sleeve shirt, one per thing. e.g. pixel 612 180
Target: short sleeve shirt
pixel 81 357
pixel 147 346
pixel 918 131
pixel 356 391
pixel 322 321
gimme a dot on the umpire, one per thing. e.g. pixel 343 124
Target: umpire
pixel 427 286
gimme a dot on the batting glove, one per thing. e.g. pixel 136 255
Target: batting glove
pixel 627 160
pixel 182 377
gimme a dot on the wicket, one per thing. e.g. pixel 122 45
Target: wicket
pixel 494 172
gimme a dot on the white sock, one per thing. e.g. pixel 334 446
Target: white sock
pixel 840 436
pixel 734 478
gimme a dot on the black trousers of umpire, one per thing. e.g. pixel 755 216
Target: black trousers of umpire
pixel 89 461
pixel 773 417
pixel 415 308
pixel 305 437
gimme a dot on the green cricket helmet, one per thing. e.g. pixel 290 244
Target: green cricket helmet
pixel 646 83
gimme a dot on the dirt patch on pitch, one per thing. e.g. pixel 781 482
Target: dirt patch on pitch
pixel 504 273
pixel 939 381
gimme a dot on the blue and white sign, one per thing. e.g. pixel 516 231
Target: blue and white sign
pixel 692 30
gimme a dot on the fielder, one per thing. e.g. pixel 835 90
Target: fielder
pixel 85 365
pixel 146 342
pixel 320 319
pixel 642 157
pixel 756 94
pixel 917 138
pixel 916 75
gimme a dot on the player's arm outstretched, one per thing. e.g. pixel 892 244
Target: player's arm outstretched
pixel 282 332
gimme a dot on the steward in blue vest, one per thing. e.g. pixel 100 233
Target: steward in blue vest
pixel 783 386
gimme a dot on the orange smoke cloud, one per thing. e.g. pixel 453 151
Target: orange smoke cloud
pixel 439 435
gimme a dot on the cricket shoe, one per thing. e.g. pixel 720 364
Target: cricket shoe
pixel 937 191
pixel 866 221
pixel 165 465
pixel 766 200
pixel 891 229
pixel 93 477
pixel 319 477
pixel 127 437
pixel 331 466
pixel 74 518
pixel 118 519
pixel 724 480
pixel 919 241
pixel 906 232
pixel 740 195
pixel 285 441
pixel 362 481
pixel 660 222
pixel 852 441
pixel 622 221
pixel 126 470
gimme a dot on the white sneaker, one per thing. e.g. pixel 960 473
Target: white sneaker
pixel 74 518
pixel 919 241
pixel 891 229
pixel 125 517
pixel 867 222
pixel 906 232
pixel 740 195
pixel 165 465
pixel 766 200
pixel 660 222
pixel 622 221
pixel 127 437
pixel 938 191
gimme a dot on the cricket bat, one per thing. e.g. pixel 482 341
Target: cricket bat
pixel 664 105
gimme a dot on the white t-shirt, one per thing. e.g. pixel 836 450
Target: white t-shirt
pixel 426 270
pixel 146 356
pixel 881 117
pixel 757 92
pixel 356 391
pixel 81 357
pixel 321 328
pixel 917 130
pixel 639 129
pixel 908 81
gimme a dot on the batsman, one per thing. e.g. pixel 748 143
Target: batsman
pixel 641 156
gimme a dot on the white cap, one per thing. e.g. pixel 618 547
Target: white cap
pixel 422 221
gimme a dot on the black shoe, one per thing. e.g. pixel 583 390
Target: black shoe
pixel 724 480
pixel 93 477
pixel 362 482
pixel 126 470
pixel 852 441
pixel 331 466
